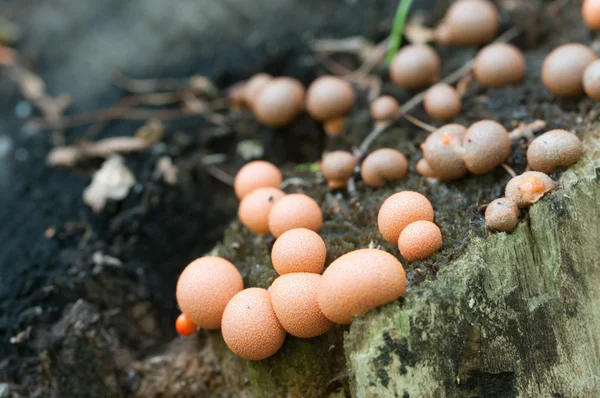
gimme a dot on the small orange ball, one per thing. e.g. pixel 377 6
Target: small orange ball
pixel 184 326
pixel 256 174
pixel 329 97
pixel 382 165
pixel 299 250
pixel 442 102
pixel 590 10
pixel 415 66
pixel 419 240
pixel 250 327
pixel 384 108
pixel 401 209
pixel 254 86
pixel 294 299
pixel 295 211
pixel 360 281
pixel 205 287
pixel 280 102
pixel 528 188
pixel 255 208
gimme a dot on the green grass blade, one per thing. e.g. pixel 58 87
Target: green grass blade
pixel 397 29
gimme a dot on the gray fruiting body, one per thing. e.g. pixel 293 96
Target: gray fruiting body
pixel 486 145
pixel 383 165
pixel 502 215
pixel 443 152
pixel 528 188
pixel 556 148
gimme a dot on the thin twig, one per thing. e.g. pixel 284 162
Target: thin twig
pixel 219 174
pixel 509 170
pixel 418 122
pixel 417 99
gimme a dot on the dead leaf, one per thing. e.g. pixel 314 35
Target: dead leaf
pixel 112 181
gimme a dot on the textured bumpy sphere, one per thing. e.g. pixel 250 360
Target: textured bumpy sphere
pixel 502 215
pixel 419 240
pixel 486 145
pixel 556 148
pixel 299 250
pixel 383 165
pixel 499 65
pixel 255 208
pixel 337 167
pixel 295 211
pixel 401 209
pixel 329 97
pixel 562 72
pixel 442 151
pixel 295 301
pixel 358 282
pixel 205 287
pixel 442 102
pixel 528 188
pixel 250 327
pixel 256 174
pixel 415 66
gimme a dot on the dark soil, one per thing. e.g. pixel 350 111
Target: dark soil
pixel 66 302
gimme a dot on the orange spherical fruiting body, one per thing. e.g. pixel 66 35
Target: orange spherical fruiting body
pixel 419 240
pixel 255 207
pixel 591 80
pixel 563 68
pixel 442 151
pixel 401 209
pixel 250 327
pixel 329 97
pixel 486 145
pixel 256 174
pixel 469 22
pixel 555 148
pixel 502 215
pixel 590 11
pixel 295 211
pixel 299 250
pixel 254 86
pixel 383 165
pixel 442 102
pixel 185 326
pixel 499 64
pixel 337 167
pixel 295 302
pixel 415 66
pixel 528 188
pixel 384 108
pixel 424 169
pixel 204 288
pixel 360 281
pixel 279 102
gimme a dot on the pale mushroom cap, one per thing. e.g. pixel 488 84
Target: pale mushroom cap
pixel 329 97
pixel 254 85
pixel 528 188
pixel 295 301
pixel 337 167
pixel 279 102
pixel 205 287
pixel 256 174
pixel 255 208
pixel 556 148
pixel 419 240
pixel 295 211
pixel 590 10
pixel 358 282
pixel 383 165
pixel 591 80
pixel 250 327
pixel 384 108
pixel 486 145
pixel 442 102
pixel 415 66
pixel 424 169
pixel 299 250
pixel 562 72
pixel 442 151
pixel 499 64
pixel 502 215
pixel 401 209
pixel 470 22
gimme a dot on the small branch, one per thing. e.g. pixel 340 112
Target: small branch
pixel 418 122
pixel 509 170
pixel 527 130
pixel 219 174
